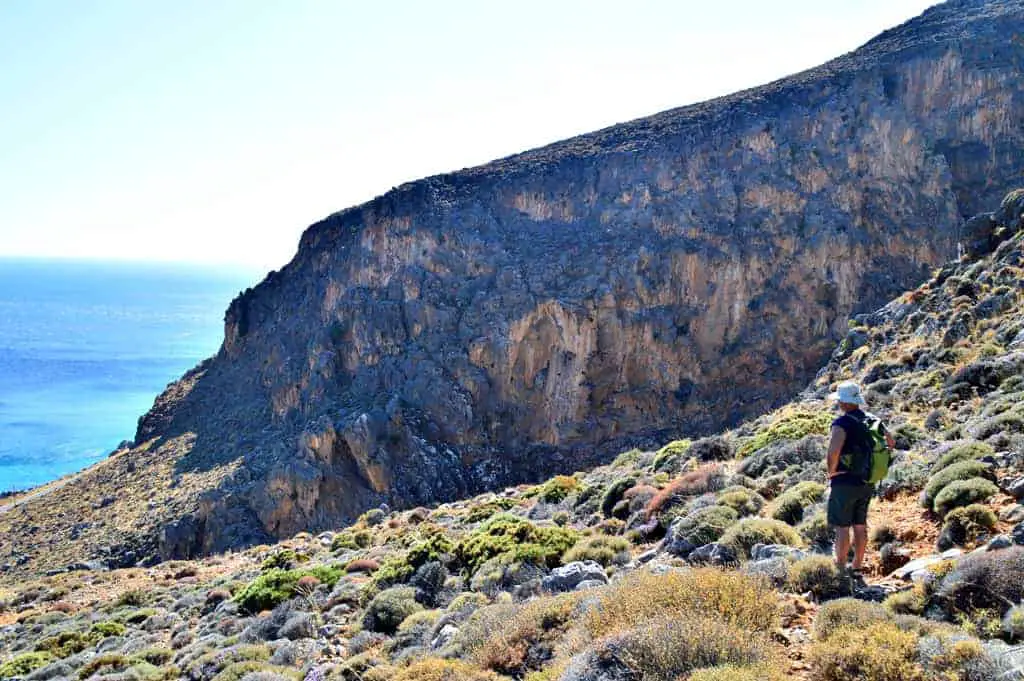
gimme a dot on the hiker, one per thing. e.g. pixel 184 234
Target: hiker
pixel 852 443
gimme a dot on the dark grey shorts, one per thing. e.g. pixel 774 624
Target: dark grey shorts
pixel 848 505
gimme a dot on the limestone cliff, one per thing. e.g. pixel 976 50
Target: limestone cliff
pixel 670 275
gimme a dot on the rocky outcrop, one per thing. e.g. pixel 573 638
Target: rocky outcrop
pixel 667 276
pixel 670 275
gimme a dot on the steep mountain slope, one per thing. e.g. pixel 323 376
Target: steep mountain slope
pixel 579 579
pixel 670 275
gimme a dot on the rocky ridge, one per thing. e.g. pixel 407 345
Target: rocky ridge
pixel 586 577
pixel 668 276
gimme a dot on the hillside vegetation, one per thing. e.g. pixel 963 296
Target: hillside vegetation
pixel 704 560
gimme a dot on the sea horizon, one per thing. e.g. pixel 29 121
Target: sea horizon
pixel 86 345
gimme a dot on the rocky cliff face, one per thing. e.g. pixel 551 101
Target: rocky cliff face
pixel 666 276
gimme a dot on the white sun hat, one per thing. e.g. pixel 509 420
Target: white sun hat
pixel 849 393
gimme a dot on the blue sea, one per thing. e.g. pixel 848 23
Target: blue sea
pixel 86 346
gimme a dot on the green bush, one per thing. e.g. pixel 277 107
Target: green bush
pixel 373 517
pixel 963 493
pixel 276 586
pixel 285 560
pixel 613 495
pixel 216 661
pixel 816 529
pixel 488 509
pixel 108 662
pixel 742 536
pixel 108 628
pixel 350 541
pixel 23 664
pixel 600 549
pixel 557 488
pixel 818 575
pixel 517 538
pixel 68 643
pixel 963 470
pixel 967 524
pixel 790 505
pixel 907 602
pixel 239 670
pixel 389 608
pixel 793 425
pixel 135 598
pixel 705 525
pixel 970 451
pixel 670 454
pixel 742 500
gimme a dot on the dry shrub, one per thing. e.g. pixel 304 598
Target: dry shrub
pixel 709 478
pixel 362 565
pixel 668 647
pixel 516 639
pixel 731 672
pixel 847 612
pixel 435 669
pixel 743 601
pixel 878 652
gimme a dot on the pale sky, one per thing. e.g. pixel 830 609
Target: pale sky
pixel 217 130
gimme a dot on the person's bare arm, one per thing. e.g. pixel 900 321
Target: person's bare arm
pixel 889 441
pixel 835 446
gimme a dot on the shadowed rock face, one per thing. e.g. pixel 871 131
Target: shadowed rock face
pixel 670 275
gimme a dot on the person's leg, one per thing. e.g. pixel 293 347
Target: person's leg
pixel 860 545
pixel 842 545
pixel 860 525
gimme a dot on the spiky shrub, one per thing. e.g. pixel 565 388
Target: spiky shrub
pixel 742 536
pixel 436 669
pixel 714 448
pixel 389 608
pixel 790 505
pixel 816 530
pixel 732 672
pixel 962 470
pixel 517 639
pixel 966 524
pixel 670 648
pixel 519 539
pixel 1013 623
pixel 882 534
pixel 600 549
pixel 971 451
pixel 742 500
pixel 705 525
pixel 818 575
pixel 740 600
pixel 847 612
pixel 990 580
pixel 877 652
pixel 964 493
pixel 911 601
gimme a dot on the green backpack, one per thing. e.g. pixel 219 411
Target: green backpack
pixel 881 457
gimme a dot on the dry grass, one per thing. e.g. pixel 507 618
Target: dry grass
pixel 515 639
pixel 736 599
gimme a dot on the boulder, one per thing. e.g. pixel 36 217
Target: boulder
pixel 766 551
pixel 568 577
pixel 1016 489
pixel 1018 533
pixel 713 554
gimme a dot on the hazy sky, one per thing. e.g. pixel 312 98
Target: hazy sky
pixel 217 130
